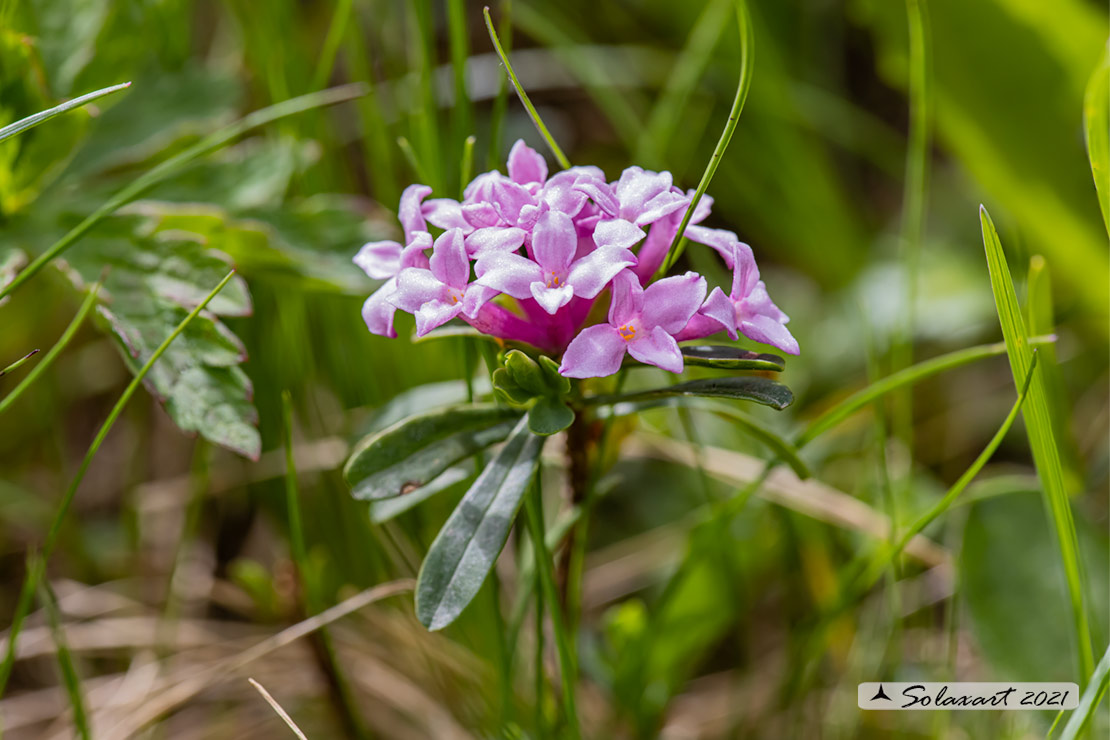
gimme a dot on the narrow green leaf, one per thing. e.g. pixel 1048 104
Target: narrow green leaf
pixel 742 388
pixel 1096 117
pixel 1088 703
pixel 178 162
pixel 1038 427
pixel 726 357
pixel 548 416
pixel 15 365
pixel 540 126
pixel 383 510
pixel 747 53
pixel 411 453
pixel 465 550
pixel 34 120
pixel 70 679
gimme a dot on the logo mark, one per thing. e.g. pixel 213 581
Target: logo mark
pixel 881 694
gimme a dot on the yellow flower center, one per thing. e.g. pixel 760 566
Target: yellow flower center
pixel 627 332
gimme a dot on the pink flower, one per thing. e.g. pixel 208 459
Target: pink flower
pixel 554 276
pixel 443 290
pixel 641 322
pixel 747 309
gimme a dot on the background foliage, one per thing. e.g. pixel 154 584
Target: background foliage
pixel 701 608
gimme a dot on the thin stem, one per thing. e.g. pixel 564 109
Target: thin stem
pixel 34 576
pixel 467 164
pixel 70 678
pixel 18 363
pixel 412 159
pixel 533 504
pixel 56 350
pixel 747 53
pixel 540 126
pixel 34 120
pixel 501 100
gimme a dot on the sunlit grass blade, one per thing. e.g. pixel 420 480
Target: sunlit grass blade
pixel 70 680
pixel 540 125
pixel 1042 440
pixel 501 99
pixel 687 69
pixel 67 335
pixel 747 61
pixel 467 163
pixel 177 163
pixel 1096 118
pixel 18 363
pixel 413 160
pixel 460 49
pixel 911 375
pixel 278 709
pixel 1088 703
pixel 33 576
pixel 425 115
pixel 31 121
pixel 336 30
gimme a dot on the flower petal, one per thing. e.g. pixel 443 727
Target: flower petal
pixel 769 331
pixel 415 287
pixel 671 302
pixel 526 164
pixel 481 187
pixel 475 297
pixel 509 198
pixel 554 241
pixel 413 254
pixel 658 348
pixel 596 352
pixel 745 273
pixel 509 273
pixel 661 206
pixel 379 260
pixel 409 211
pixel 435 313
pixel 618 233
pixel 445 213
pixel 478 215
pixel 721 240
pixel 449 262
pixel 592 273
pixel 628 298
pixel 637 186
pixel 559 194
pixel 600 193
pixel 378 312
pixel 494 239
pixel 722 310
pixel 551 299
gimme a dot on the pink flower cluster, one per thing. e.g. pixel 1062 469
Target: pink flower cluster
pixel 554 244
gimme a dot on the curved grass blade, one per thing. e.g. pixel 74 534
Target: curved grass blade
pixel 176 163
pixel 22 125
pixel 742 388
pixel 70 680
pixel 1089 701
pixel 725 357
pixel 1042 439
pixel 747 53
pixel 67 335
pixel 909 376
pixel 535 116
pixel 1096 119
pixel 31 581
pixel 466 548
pixel 408 455
pixel 18 363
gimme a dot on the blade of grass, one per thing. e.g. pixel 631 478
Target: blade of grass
pixel 378 148
pixel 467 166
pixel 336 30
pixel 501 100
pixel 1038 427
pixel 533 504
pixel 177 163
pixel 278 709
pixel 680 84
pixel 70 679
pixel 410 156
pixel 16 365
pixel 34 120
pixel 540 126
pixel 747 53
pixel 425 120
pixel 56 350
pixel 1089 701
pixel 30 584
pixel 1096 119
pixel 459 45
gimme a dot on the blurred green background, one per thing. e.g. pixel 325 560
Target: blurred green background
pixel 177 553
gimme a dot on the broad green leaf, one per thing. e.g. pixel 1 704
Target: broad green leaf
pixel 727 357
pixel 465 550
pixel 382 510
pixel 153 281
pixel 1042 440
pixel 742 388
pixel 1090 700
pixel 548 416
pixel 1096 117
pixel 410 454
pixel 421 399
